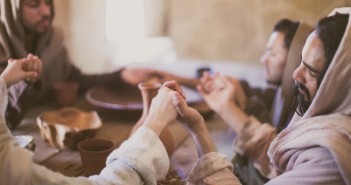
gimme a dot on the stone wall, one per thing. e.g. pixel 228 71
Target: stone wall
pixel 235 29
pixel 229 30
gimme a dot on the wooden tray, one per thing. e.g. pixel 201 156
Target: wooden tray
pixel 127 102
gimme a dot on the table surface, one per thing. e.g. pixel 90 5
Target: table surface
pixel 68 162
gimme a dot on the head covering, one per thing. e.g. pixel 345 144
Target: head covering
pixel 12 40
pixel 327 122
pixel 284 97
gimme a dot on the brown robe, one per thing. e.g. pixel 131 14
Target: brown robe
pixel 57 65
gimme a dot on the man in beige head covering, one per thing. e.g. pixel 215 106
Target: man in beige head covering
pixel 315 148
pixel 282 56
pixel 26 27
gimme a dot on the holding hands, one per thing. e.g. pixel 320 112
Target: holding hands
pixel 219 91
pixel 19 69
pixel 170 104
pixel 27 68
pixel 162 110
pixel 32 64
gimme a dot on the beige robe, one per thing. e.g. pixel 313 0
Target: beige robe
pixel 314 149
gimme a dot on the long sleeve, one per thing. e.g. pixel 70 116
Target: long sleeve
pixel 142 159
pixel 212 168
pixel 255 137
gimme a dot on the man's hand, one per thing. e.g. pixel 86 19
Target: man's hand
pixel 162 110
pixel 217 92
pixel 34 64
pixel 14 72
pixel 188 116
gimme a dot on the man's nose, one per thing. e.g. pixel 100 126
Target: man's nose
pixel 45 9
pixel 264 59
pixel 298 74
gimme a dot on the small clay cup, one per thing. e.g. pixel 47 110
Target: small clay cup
pixel 65 92
pixel 93 153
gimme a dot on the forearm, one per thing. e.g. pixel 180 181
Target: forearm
pixel 109 80
pixel 233 116
pixel 203 141
pixel 254 137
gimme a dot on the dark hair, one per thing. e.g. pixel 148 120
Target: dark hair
pixel 287 27
pixel 331 30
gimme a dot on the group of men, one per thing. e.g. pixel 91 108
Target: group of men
pixel 302 133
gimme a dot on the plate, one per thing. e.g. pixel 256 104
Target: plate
pixel 127 102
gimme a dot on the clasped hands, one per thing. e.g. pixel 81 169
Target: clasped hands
pixel 218 91
pixel 28 68
pixel 170 104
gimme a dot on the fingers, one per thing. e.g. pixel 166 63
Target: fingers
pixel 30 62
pixel 173 85
pixel 30 74
pixel 37 65
pixel 180 104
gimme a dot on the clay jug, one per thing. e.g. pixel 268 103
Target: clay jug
pixel 148 91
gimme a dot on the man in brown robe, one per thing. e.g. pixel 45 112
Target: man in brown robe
pixel 26 28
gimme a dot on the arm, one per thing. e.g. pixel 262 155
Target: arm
pixel 21 93
pixel 220 93
pixel 252 135
pixel 212 167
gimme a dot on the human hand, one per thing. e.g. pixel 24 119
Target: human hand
pixel 14 72
pixel 195 124
pixel 216 92
pixel 240 96
pixel 189 117
pixel 162 111
pixel 32 63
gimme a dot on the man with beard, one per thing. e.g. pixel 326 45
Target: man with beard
pixel 26 33
pixel 315 147
pixel 281 58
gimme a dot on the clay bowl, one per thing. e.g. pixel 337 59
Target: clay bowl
pixel 67 126
pixel 126 103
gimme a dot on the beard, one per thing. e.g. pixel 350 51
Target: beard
pixel 303 103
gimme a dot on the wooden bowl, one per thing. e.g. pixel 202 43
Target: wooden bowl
pixel 67 126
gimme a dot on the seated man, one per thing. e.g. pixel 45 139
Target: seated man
pixel 280 59
pixel 26 27
pixel 142 159
pixel 315 147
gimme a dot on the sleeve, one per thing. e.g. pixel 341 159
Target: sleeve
pixel 255 137
pixel 20 95
pixel 15 161
pixel 314 165
pixel 212 168
pixel 142 159
pixel 108 80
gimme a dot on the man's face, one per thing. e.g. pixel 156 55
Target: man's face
pixel 36 15
pixel 274 58
pixel 307 74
